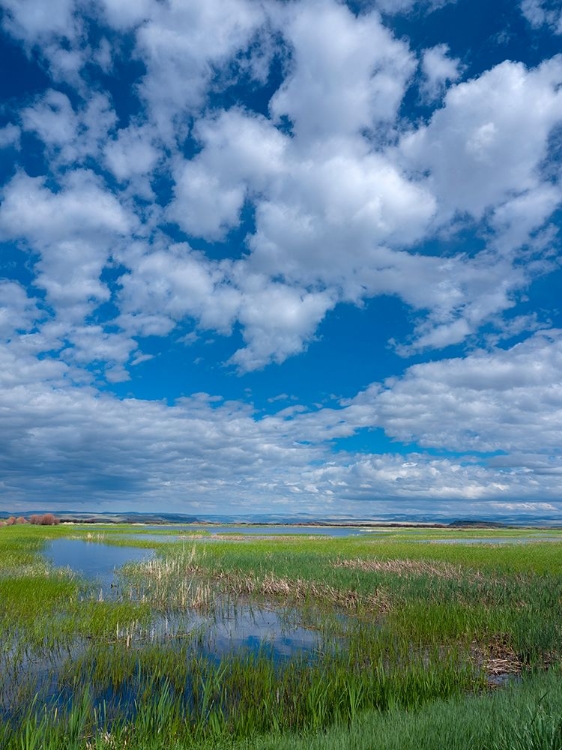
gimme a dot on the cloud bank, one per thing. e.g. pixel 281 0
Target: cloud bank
pixel 244 171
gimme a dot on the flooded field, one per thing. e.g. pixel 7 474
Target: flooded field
pixel 119 637
pixel 228 624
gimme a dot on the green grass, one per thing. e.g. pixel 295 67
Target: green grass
pixel 407 633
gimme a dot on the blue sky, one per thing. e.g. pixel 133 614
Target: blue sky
pixel 281 257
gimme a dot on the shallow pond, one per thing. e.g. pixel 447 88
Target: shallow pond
pixel 227 627
pixel 91 560
pixel 231 626
pixel 331 531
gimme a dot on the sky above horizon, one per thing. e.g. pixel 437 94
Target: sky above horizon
pixel 281 256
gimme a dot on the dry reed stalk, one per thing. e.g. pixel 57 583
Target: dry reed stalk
pixel 298 591
pixel 403 567
pixel 497 657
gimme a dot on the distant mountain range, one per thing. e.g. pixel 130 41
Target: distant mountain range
pixel 300 519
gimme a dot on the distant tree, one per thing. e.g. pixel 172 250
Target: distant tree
pixel 11 521
pixel 48 519
pixel 21 519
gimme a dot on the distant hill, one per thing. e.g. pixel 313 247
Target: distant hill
pixel 301 519
pixel 81 517
pixel 469 523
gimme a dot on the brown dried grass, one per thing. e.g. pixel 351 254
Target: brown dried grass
pixel 299 591
pixel 497 657
pixel 403 567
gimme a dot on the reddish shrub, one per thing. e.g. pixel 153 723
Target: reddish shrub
pixel 10 521
pixel 48 520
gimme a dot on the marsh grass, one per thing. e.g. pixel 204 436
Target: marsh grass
pixel 405 633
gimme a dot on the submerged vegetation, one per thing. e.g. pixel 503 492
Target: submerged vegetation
pixel 389 640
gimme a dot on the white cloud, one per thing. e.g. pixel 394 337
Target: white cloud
pixel 503 400
pixel 52 118
pixel 73 231
pixel 9 136
pixel 438 69
pixel 126 14
pixel 205 206
pixel 166 285
pixel 516 220
pixel 487 142
pixel 337 210
pixel 132 153
pixel 33 211
pixel 392 7
pixel 181 45
pixel 214 455
pixel 345 193
pixel 70 137
pixel 240 153
pixel 336 215
pixel 348 73
pixel 278 321
pixel 490 137
pixel 543 13
pixel 32 20
pixel 328 218
pixel 55 30
pixel 18 312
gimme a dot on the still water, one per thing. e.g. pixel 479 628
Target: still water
pixel 232 626
pixel 332 531
pixel 96 562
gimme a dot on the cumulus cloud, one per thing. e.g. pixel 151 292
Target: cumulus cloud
pixel 9 136
pixel 503 400
pixel 240 154
pixel 269 162
pixel 278 321
pixel 489 139
pixel 69 234
pixel 392 7
pixel 70 137
pixel 181 45
pixel 132 153
pixel 338 211
pixel 348 72
pixel 18 312
pixel 543 13
pixel 205 454
pixel 168 284
pixel 438 69
pixel 33 20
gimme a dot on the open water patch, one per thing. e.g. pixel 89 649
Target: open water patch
pixel 93 561
pixel 230 626
pixel 264 530
pixel 331 531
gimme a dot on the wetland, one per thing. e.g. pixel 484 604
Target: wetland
pixel 148 638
